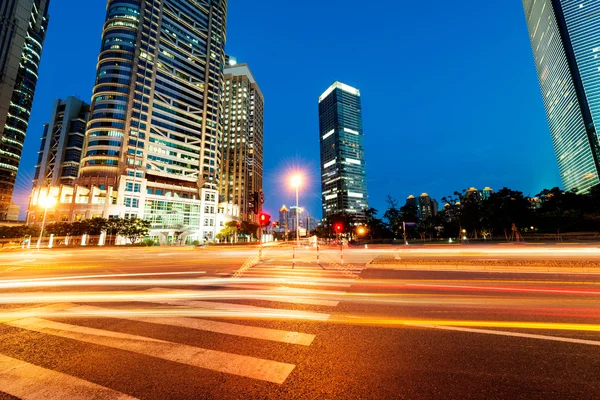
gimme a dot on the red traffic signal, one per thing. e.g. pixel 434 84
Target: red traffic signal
pixel 264 219
pixel 339 227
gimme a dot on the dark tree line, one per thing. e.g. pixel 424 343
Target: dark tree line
pixel 504 214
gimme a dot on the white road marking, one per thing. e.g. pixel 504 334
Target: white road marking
pixel 505 333
pixel 30 382
pixel 227 328
pixel 250 367
pixel 259 311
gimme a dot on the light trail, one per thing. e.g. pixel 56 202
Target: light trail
pixel 60 278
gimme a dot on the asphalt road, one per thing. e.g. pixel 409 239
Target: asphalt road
pixel 176 323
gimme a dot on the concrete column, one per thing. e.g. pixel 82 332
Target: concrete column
pixel 83 240
pixel 102 239
pixel 51 241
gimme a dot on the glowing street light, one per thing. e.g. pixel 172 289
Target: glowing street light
pixel 46 202
pixel 296 182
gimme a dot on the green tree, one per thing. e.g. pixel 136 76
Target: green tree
pixel 134 229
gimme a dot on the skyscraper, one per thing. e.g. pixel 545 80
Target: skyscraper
pixel 242 145
pixel 62 143
pixel 565 38
pixel 343 173
pixel 23 25
pixel 152 147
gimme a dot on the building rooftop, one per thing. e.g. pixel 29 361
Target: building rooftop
pixel 341 86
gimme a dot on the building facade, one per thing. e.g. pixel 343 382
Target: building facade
pixel 343 173
pixel 284 218
pixel 565 38
pixel 153 141
pixel 242 145
pixel 62 143
pixel 23 25
pixel 428 207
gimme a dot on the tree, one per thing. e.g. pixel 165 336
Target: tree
pixel 377 229
pixel 134 229
pixel 393 215
pixel 59 229
pixel 505 208
pixel 95 226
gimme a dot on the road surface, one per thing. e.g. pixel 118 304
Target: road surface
pixel 177 323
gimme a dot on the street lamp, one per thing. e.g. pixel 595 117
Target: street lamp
pixel 296 182
pixel 45 202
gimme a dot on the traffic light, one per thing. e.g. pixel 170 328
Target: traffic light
pixel 264 219
pixel 338 227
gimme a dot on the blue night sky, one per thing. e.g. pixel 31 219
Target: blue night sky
pixel 449 91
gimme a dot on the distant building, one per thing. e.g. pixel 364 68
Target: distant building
pixel 343 173
pixel 284 215
pixel 23 25
pixel 62 143
pixel 473 194
pixel 486 193
pixel 425 206
pixel 242 145
pixel 428 207
pixel 565 38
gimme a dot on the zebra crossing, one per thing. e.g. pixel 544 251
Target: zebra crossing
pixel 196 308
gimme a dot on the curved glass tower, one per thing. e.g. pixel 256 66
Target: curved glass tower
pixel 155 110
pixel 565 38
pixel 22 33
pixel 112 93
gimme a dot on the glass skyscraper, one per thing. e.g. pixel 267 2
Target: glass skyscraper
pixel 343 173
pixel 152 145
pixel 565 38
pixel 23 25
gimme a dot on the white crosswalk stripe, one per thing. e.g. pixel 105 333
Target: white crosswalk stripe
pixel 30 382
pixel 172 307
pixel 251 367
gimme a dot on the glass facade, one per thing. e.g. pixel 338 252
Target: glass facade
pixel 22 33
pixel 343 173
pixel 565 38
pixel 156 103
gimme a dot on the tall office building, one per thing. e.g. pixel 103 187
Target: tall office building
pixel 23 25
pixel 565 37
pixel 242 145
pixel 152 147
pixel 62 143
pixel 343 173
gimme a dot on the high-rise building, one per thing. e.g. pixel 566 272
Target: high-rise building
pixel 565 38
pixel 343 173
pixel 23 25
pixel 486 193
pixel 152 147
pixel 62 143
pixel 428 207
pixel 242 145
pixel 284 215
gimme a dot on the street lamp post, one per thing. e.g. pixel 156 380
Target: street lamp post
pixel 45 202
pixel 296 181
